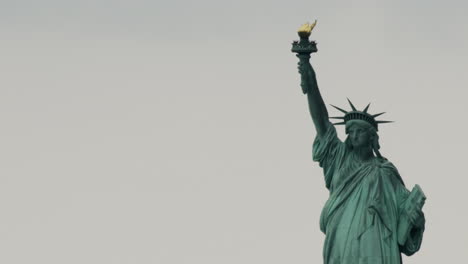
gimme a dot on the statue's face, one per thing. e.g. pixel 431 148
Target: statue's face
pixel 359 135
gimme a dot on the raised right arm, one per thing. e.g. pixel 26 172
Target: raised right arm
pixel 317 107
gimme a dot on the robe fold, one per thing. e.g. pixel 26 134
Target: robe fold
pixel 366 207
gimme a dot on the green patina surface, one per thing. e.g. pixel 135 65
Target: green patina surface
pixel 370 216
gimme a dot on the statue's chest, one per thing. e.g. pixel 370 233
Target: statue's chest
pixel 351 168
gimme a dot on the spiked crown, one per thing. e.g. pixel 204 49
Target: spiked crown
pixel 359 115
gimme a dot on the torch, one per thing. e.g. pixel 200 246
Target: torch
pixel 304 47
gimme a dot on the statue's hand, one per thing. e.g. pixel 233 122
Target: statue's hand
pixel 416 217
pixel 302 67
pixel 306 71
pixel 303 70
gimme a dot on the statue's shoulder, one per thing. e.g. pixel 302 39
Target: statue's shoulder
pixel 389 169
pixel 386 164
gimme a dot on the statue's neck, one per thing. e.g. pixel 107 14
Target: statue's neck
pixel 364 154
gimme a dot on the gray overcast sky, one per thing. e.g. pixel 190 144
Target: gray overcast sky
pixel 176 132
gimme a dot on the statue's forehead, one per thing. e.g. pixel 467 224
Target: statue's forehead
pixel 359 123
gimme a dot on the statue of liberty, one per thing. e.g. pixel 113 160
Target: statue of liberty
pixel 370 216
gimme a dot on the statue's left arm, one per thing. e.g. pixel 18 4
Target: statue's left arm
pixel 411 225
pixel 411 239
pixel 409 219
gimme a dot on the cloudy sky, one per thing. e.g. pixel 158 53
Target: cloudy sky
pixel 176 132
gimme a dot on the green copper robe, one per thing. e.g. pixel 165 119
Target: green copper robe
pixel 364 219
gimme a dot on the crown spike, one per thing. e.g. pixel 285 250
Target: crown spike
pixel 355 114
pixel 382 122
pixel 376 115
pixel 351 104
pixel 365 109
pixel 343 111
pixel 340 123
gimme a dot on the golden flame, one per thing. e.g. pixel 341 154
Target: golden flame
pixel 307 28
